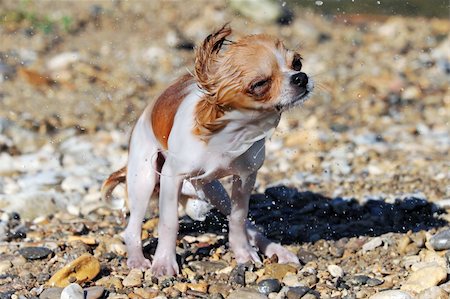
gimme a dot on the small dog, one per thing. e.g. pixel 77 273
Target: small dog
pixel 206 126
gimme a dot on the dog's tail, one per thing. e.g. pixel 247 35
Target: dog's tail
pixel 112 181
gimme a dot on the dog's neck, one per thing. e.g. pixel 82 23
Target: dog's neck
pixel 243 129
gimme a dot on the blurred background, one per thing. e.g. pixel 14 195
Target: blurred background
pixel 75 75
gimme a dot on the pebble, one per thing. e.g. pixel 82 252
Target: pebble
pixel 250 277
pixel 278 271
pixel 297 292
pixel 5 266
pixel 291 280
pixel 133 279
pixel 372 282
pixel 372 244
pixel 391 294
pixel 358 280
pixel 258 10
pixel 268 286
pixel 201 286
pixel 51 293
pixel 305 256
pixel 208 266
pixel 220 288
pixel 237 276
pixel 35 253
pixel 424 278
pixel 94 292
pixel 83 269
pixel 433 293
pixel 72 291
pixel 441 241
pixel 335 271
pixel 246 293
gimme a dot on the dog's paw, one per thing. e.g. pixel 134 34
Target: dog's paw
pixel 138 262
pixel 165 265
pixel 284 255
pixel 244 254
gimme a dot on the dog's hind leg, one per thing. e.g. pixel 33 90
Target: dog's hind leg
pixel 141 180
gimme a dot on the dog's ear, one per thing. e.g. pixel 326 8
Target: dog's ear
pixel 206 58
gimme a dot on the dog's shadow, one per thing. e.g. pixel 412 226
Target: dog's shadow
pixel 291 217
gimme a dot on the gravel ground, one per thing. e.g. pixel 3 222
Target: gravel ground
pixel 356 182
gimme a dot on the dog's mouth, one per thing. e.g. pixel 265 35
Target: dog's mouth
pixel 296 101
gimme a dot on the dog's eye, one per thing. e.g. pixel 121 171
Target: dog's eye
pixel 297 63
pixel 260 83
pixel 260 87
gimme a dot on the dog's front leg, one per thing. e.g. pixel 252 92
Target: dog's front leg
pixel 164 261
pixel 218 196
pixel 239 243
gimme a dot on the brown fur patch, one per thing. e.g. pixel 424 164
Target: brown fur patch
pixel 166 106
pixel 227 78
pixel 112 181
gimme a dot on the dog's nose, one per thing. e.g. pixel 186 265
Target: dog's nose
pixel 299 79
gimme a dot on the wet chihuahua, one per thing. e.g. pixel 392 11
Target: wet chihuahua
pixel 206 126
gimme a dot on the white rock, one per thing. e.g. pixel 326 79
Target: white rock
pixel 76 183
pixel 133 279
pixel 372 244
pixel 258 10
pixel 424 278
pixel 39 181
pixel 292 280
pixel 7 165
pixel 444 203
pixel 391 294
pixel 72 291
pixel 335 271
pixel 5 266
pixel 433 293
pixel 63 60
pixel 33 203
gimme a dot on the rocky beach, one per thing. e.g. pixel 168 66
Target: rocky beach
pixel 356 182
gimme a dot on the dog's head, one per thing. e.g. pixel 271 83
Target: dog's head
pixel 256 72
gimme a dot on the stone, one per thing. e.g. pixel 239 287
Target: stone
pixel 84 268
pixel 94 292
pixel 372 244
pixel 133 279
pixel 441 241
pixel 305 256
pixel 358 280
pixel 146 293
pixel 278 271
pixel 391 294
pixel 220 288
pixel 372 282
pixel 237 276
pixel 433 293
pixel 246 293
pixel 250 277
pixel 297 292
pixel 335 271
pixel 258 10
pixel 208 266
pixel 72 291
pixel 291 280
pixel 51 293
pixel 268 286
pixel 35 253
pixel 201 286
pixel 5 266
pixel 424 278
